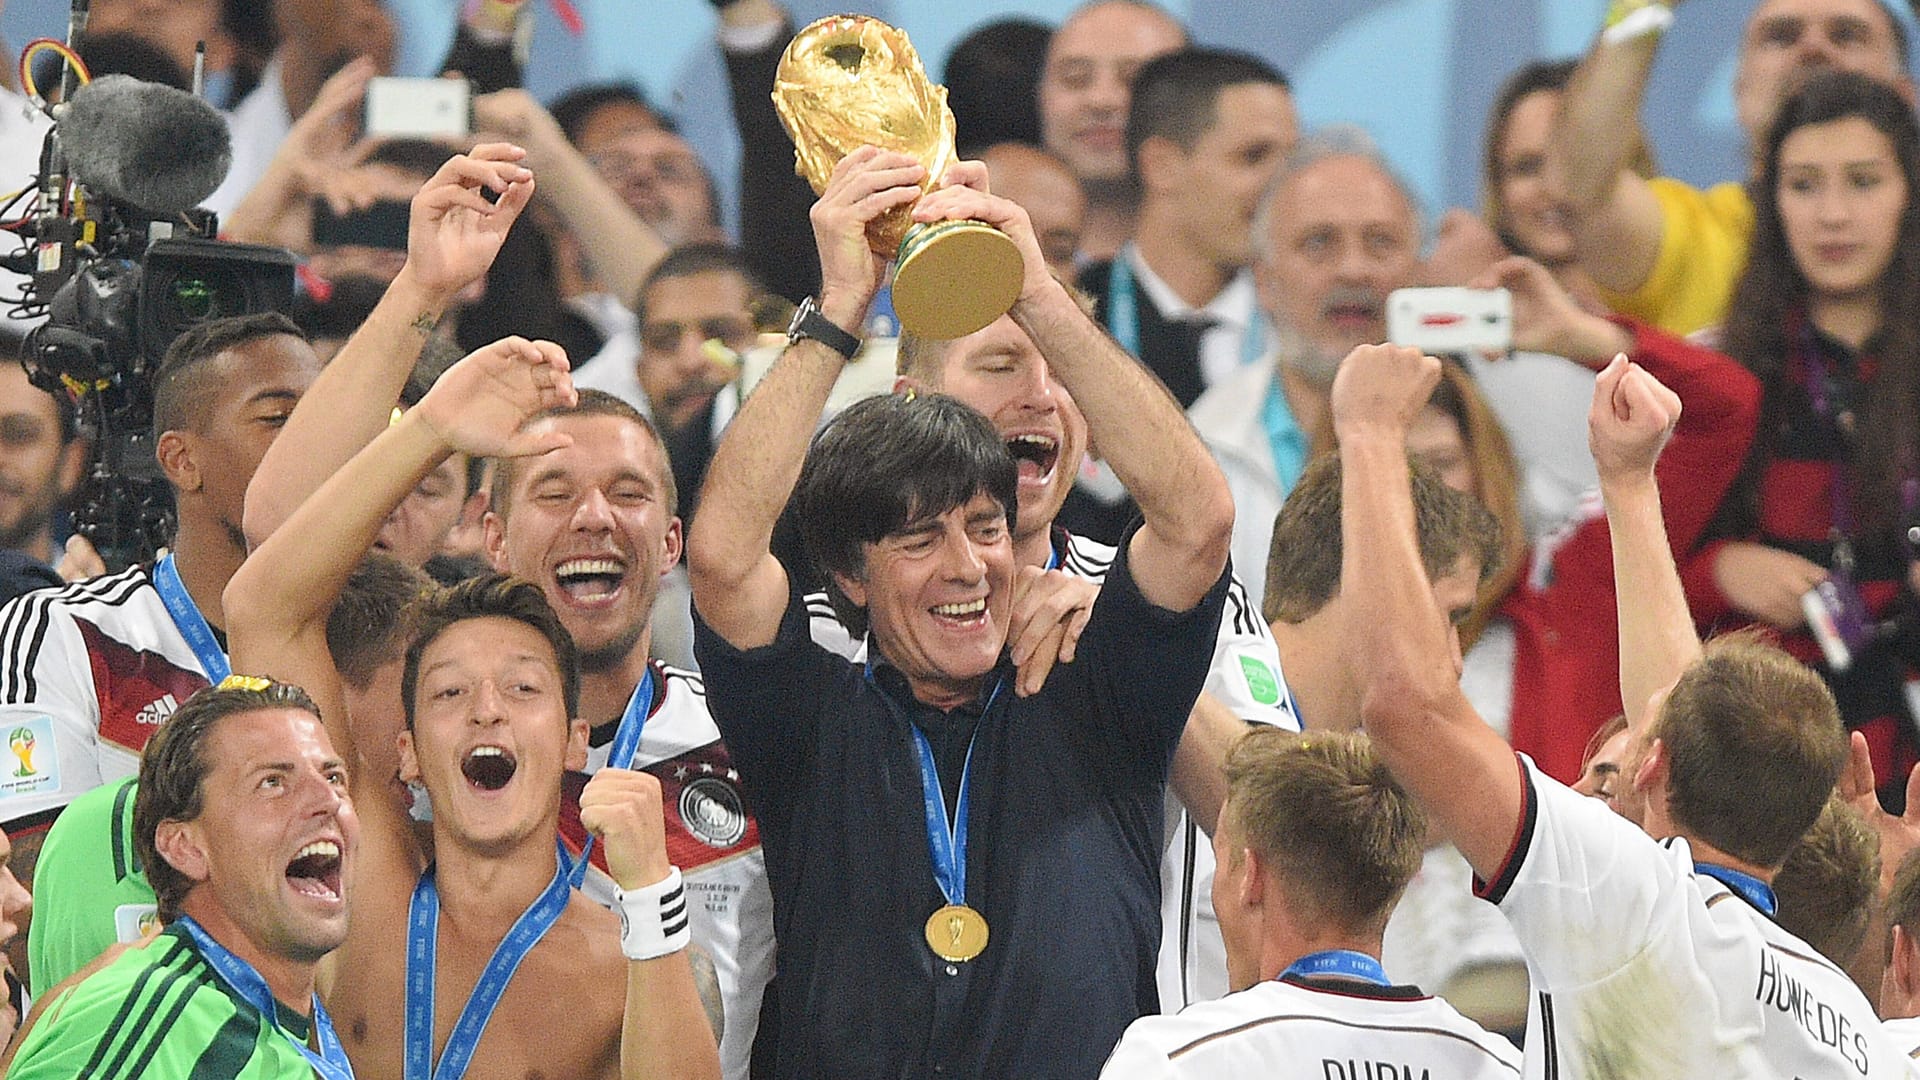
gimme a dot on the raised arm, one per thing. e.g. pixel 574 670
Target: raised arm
pixel 665 1034
pixel 620 248
pixel 1182 546
pixel 739 587
pixel 452 239
pixel 1401 644
pixel 1617 222
pixel 283 594
pixel 1632 418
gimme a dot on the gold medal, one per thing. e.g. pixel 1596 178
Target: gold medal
pixel 956 933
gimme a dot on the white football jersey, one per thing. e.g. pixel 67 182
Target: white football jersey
pixel 712 839
pixel 88 672
pixel 1905 1033
pixel 1644 968
pixel 1245 677
pixel 1314 1029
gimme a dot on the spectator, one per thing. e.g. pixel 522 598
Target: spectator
pixel 175 28
pixel 1044 187
pixel 993 80
pixel 317 38
pixel 598 113
pixel 1825 316
pixel 42 458
pixel 1662 251
pixel 1315 845
pixel 696 319
pixel 1337 232
pixel 244 824
pixel 1204 134
pixel 1084 90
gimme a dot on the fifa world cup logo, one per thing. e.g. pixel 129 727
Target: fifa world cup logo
pixel 956 926
pixel 21 742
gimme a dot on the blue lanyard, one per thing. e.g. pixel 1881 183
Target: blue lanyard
pixel 331 1062
pixel 1284 437
pixel 1746 886
pixel 1123 314
pixel 626 743
pixel 192 625
pixel 946 838
pixel 423 931
pixel 1343 962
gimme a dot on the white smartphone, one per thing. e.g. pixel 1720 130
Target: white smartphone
pixel 1451 320
pixel 419 108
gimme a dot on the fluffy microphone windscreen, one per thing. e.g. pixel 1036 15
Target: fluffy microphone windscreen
pixel 161 149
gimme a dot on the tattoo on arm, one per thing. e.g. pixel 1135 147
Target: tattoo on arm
pixel 707 981
pixel 426 322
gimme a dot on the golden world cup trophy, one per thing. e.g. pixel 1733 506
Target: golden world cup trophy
pixel 850 80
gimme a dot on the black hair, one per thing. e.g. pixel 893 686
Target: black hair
pixel 886 463
pixel 690 259
pixel 420 157
pixel 1175 95
pixel 993 83
pixel 575 108
pixel 180 389
pixel 494 596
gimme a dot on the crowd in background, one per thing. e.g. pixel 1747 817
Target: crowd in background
pixel 510 374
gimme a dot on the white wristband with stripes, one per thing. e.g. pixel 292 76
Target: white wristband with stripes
pixel 653 918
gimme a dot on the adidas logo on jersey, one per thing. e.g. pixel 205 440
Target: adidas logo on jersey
pixel 156 712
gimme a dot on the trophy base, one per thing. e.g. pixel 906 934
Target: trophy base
pixel 954 277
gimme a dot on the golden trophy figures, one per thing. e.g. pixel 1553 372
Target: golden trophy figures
pixel 849 80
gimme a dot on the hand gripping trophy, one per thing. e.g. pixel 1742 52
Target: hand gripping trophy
pixel 849 80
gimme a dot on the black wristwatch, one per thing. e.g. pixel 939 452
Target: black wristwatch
pixel 808 324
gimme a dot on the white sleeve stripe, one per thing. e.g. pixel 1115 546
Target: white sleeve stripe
pixel 1244 620
pixel 32 615
pixel 21 616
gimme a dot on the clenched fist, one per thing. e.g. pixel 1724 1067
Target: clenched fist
pixel 622 808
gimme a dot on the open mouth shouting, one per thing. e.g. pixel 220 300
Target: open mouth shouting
pixel 315 870
pixel 1035 454
pixel 591 580
pixel 489 768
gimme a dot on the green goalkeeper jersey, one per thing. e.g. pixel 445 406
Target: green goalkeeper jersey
pixel 88 886
pixel 160 1012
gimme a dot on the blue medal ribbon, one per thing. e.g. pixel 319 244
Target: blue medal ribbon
pixel 626 743
pixel 192 625
pixel 423 929
pixel 331 1060
pixel 946 838
pixel 1746 886
pixel 1123 314
pixel 1344 963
